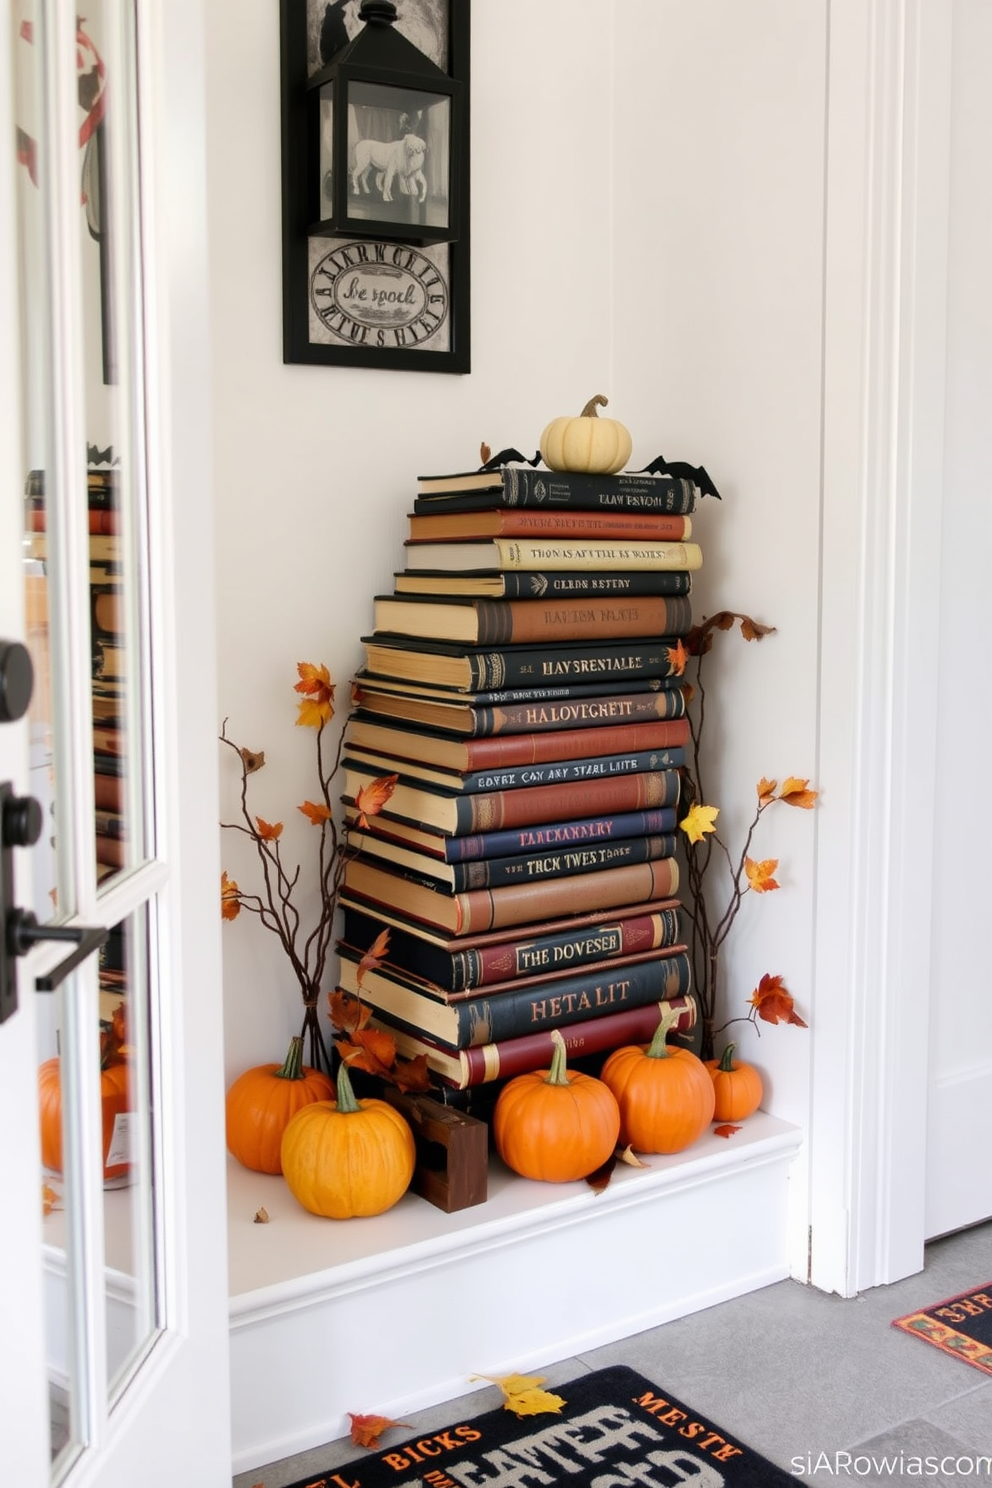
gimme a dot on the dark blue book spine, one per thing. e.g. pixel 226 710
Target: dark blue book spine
pixel 496 873
pixel 524 777
pixel 584 832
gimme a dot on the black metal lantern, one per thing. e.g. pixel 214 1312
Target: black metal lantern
pixel 384 127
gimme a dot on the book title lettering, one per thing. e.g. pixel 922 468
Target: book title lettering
pixel 536 958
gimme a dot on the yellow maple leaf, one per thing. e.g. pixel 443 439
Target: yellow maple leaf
pixel 522 1394
pixel 759 875
pixel 766 791
pixel 797 793
pixel 699 820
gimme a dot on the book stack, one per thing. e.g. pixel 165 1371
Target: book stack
pixel 523 685
pixel 108 652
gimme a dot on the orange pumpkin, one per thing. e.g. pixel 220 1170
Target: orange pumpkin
pixel 261 1103
pixel 114 1101
pixel 737 1086
pixel 665 1095
pixel 555 1125
pixel 348 1157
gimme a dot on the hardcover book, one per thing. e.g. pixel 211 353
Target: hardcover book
pixel 477 669
pixel 501 622
pixel 546 552
pixel 462 964
pixel 454 752
pixel 511 1009
pixel 582 831
pixel 517 777
pixel 492 811
pixel 516 904
pixel 530 867
pixel 464 1067
pixel 526 583
pixel 497 521
pixel 524 485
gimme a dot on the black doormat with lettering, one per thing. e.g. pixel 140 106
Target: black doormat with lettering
pixel 961 1326
pixel 614 1427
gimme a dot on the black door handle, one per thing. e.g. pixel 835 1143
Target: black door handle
pixel 23 931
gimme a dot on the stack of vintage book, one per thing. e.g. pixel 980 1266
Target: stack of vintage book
pixel 103 516
pixel 523 683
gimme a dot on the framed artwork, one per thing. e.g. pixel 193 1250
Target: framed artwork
pixel 369 302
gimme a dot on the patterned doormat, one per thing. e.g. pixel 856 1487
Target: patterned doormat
pixel 613 1427
pixel 961 1326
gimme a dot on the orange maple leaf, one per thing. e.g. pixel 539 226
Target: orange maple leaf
pixel 366 1430
pixel 372 797
pixel 268 831
pixel 773 1003
pixel 412 1074
pixel 372 959
pixel 766 791
pixel 315 812
pixel 317 707
pixel 727 1129
pixel 759 875
pixel 230 901
pixel 796 793
pixel 346 1011
pixel 677 656
pixel 370 1050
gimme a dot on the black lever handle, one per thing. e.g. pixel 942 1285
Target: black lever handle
pixel 23 931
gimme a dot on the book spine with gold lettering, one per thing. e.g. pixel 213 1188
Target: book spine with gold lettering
pixel 497 622
pixel 491 1016
pixel 478 668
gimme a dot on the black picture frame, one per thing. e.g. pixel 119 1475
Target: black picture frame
pixel 312 266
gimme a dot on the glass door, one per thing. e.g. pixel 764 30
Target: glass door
pixel 110 771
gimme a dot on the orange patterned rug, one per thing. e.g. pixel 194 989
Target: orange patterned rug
pixel 961 1326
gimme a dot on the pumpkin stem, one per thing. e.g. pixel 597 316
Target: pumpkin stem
pixel 591 410
pixel 347 1104
pixel 658 1048
pixel 292 1069
pixel 556 1074
pixel 727 1060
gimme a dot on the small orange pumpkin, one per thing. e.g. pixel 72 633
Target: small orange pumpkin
pixel 737 1086
pixel 348 1157
pixel 665 1095
pixel 114 1102
pixel 263 1100
pixel 598 446
pixel 555 1125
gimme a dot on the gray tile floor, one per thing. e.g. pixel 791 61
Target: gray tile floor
pixel 796 1373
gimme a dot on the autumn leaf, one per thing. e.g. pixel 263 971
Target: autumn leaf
pixel 372 797
pixel 366 1430
pixel 699 820
pixel 522 1394
pixel 261 1216
pixel 252 759
pixel 599 1178
pixel 373 957
pixel 230 901
pixel 316 812
pixel 369 1049
pixel 485 453
pixel 346 1011
pixel 411 1074
pixel 317 707
pixel 677 657
pixel 773 1003
pixel 268 831
pixel 727 1129
pixel 766 791
pixel 796 793
pixel 49 1200
pixel 753 630
pixel 759 875
pixel 630 1157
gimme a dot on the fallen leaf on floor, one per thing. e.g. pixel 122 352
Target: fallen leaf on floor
pixel 726 1130
pixel 366 1430
pixel 261 1216
pixel 630 1157
pixel 600 1179
pixel 522 1394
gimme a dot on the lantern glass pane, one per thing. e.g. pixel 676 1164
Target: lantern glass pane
pixel 399 150
pixel 326 150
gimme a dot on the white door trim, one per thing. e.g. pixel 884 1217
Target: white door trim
pixel 887 183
